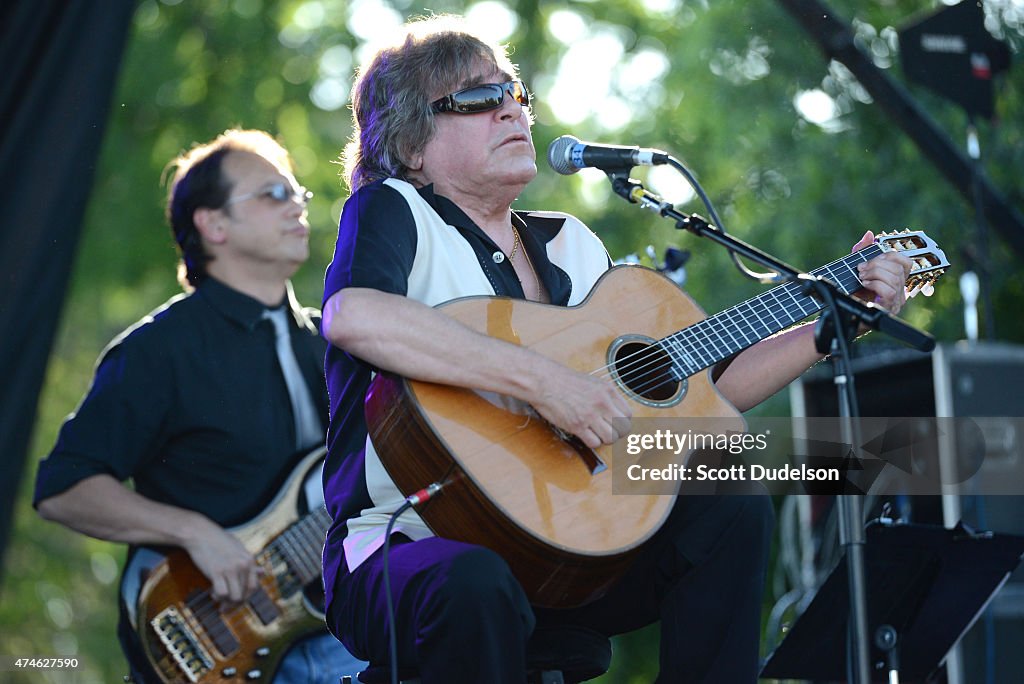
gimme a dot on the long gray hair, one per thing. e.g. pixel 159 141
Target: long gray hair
pixel 391 116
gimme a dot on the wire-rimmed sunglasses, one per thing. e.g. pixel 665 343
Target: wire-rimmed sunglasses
pixel 278 192
pixel 482 98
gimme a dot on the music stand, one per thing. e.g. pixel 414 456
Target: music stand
pixel 928 582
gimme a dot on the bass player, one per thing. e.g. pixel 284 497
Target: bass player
pixel 195 404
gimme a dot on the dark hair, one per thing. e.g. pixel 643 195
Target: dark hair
pixel 391 116
pixel 199 181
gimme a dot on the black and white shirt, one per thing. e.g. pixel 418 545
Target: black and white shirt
pixel 399 239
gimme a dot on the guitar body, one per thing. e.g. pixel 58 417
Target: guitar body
pixel 543 500
pixel 187 637
pixel 516 485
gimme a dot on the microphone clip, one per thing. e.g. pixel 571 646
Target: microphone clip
pixel 622 184
pixel 634 192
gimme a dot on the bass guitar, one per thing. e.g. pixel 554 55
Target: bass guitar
pixel 541 498
pixel 189 637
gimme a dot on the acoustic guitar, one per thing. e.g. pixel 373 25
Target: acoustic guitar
pixel 189 637
pixel 541 498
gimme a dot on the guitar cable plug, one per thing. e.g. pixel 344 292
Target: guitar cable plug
pixel 424 495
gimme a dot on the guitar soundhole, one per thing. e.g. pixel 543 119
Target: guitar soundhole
pixel 645 370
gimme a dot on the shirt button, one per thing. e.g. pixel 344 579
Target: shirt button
pixel 498 257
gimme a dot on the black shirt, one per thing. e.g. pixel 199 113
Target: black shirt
pixel 190 403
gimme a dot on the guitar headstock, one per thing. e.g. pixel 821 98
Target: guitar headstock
pixel 929 262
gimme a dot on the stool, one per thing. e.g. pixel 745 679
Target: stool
pixel 556 655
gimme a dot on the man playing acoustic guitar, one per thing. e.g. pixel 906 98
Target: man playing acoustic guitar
pixel 441 147
pixel 198 407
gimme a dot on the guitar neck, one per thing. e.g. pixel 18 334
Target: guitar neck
pixel 718 337
pixel 300 547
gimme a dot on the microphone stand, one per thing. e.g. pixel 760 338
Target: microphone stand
pixel 836 327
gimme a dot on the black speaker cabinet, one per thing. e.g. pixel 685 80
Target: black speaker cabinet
pixel 982 379
pixel 956 380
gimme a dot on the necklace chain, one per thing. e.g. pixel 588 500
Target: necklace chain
pixel 529 263
pixel 515 244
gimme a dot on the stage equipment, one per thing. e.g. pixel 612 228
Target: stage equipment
pixel 951 53
pixel 927 586
pixel 960 380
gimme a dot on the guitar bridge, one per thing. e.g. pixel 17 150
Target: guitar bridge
pixel 182 644
pixel 589 457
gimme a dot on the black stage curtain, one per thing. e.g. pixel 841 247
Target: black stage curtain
pixel 59 60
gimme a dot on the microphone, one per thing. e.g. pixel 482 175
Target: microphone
pixel 567 155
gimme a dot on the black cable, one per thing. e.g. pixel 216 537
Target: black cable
pixel 392 636
pixel 419 497
pixel 753 275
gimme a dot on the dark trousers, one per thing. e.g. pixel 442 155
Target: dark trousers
pixel 462 617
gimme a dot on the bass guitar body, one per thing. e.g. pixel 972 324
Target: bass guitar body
pixel 187 636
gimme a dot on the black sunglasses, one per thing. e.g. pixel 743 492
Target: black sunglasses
pixel 482 98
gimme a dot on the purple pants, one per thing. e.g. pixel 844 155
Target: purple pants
pixel 462 617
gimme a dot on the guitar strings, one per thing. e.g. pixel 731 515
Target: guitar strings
pixel 203 606
pixel 708 322
pixel 847 277
pixel 653 355
pixel 301 542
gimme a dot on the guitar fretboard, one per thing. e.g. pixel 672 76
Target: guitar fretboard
pixel 718 337
pixel 300 548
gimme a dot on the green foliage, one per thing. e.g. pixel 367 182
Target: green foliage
pixel 714 83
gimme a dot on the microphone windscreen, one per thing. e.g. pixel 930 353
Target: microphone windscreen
pixel 558 155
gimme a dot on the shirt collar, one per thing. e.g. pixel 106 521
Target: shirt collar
pixel 243 309
pixel 449 212
pixel 454 216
